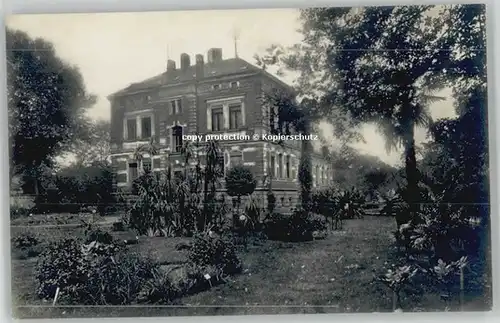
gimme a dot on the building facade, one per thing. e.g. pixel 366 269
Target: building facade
pixel 219 96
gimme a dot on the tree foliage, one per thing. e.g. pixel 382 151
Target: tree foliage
pixel 240 181
pixel 95 149
pixel 47 100
pixel 380 65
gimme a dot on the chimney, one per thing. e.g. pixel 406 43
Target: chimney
pixel 199 66
pixel 170 65
pixel 185 61
pixel 214 55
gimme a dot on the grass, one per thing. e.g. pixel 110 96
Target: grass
pixel 334 275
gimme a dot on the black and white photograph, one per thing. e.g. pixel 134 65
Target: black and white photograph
pixel 249 162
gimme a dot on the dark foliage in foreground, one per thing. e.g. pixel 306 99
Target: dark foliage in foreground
pixel 213 250
pixel 76 188
pixel 297 227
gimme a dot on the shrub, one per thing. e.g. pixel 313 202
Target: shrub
pixel 395 279
pixel 158 290
pixel 94 233
pixel 239 182
pixel 155 206
pixel 99 235
pixel 62 264
pixel 25 240
pixel 17 211
pixel 253 211
pixel 27 253
pixel 119 226
pixel 76 187
pixel 215 251
pixel 92 274
pixel 325 201
pixel 197 279
pixel 271 202
pixel 294 228
pixel 117 281
pixel 317 222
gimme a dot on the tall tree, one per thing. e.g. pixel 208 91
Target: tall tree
pixel 47 100
pixel 296 116
pixel 465 139
pixel 457 162
pixel 370 64
pixel 95 149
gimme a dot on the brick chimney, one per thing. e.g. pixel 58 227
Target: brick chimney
pixel 214 55
pixel 185 61
pixel 199 66
pixel 170 65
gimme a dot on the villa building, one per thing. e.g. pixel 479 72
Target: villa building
pixel 219 96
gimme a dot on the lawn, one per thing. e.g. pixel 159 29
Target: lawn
pixel 333 275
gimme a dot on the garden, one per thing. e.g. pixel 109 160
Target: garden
pixel 177 249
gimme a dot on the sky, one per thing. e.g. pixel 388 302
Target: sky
pixel 113 50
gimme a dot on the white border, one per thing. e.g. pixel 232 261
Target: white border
pixel 60 6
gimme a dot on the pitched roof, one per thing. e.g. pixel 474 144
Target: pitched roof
pixel 211 70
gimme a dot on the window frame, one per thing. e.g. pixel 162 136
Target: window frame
pixel 225 103
pixel 175 147
pixel 280 166
pixel 130 177
pixel 133 121
pixel 235 107
pixel 287 166
pixel 236 154
pixel 136 118
pixel 150 126
pixel 175 106
pixel 219 111
pixel 272 165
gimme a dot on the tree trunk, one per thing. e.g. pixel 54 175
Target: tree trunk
pixel 412 191
pixel 305 176
pixel 35 183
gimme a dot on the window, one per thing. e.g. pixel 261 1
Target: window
pixel 216 87
pixel 155 163
pixel 146 165
pixel 234 85
pixel 177 138
pixel 286 128
pixel 273 166
pixel 280 166
pixel 121 165
pixel 146 127
pixel 236 159
pixel 132 171
pixel 228 113
pixel 121 178
pixel 287 167
pixel 235 120
pixel 176 106
pixel 131 129
pixel 217 119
